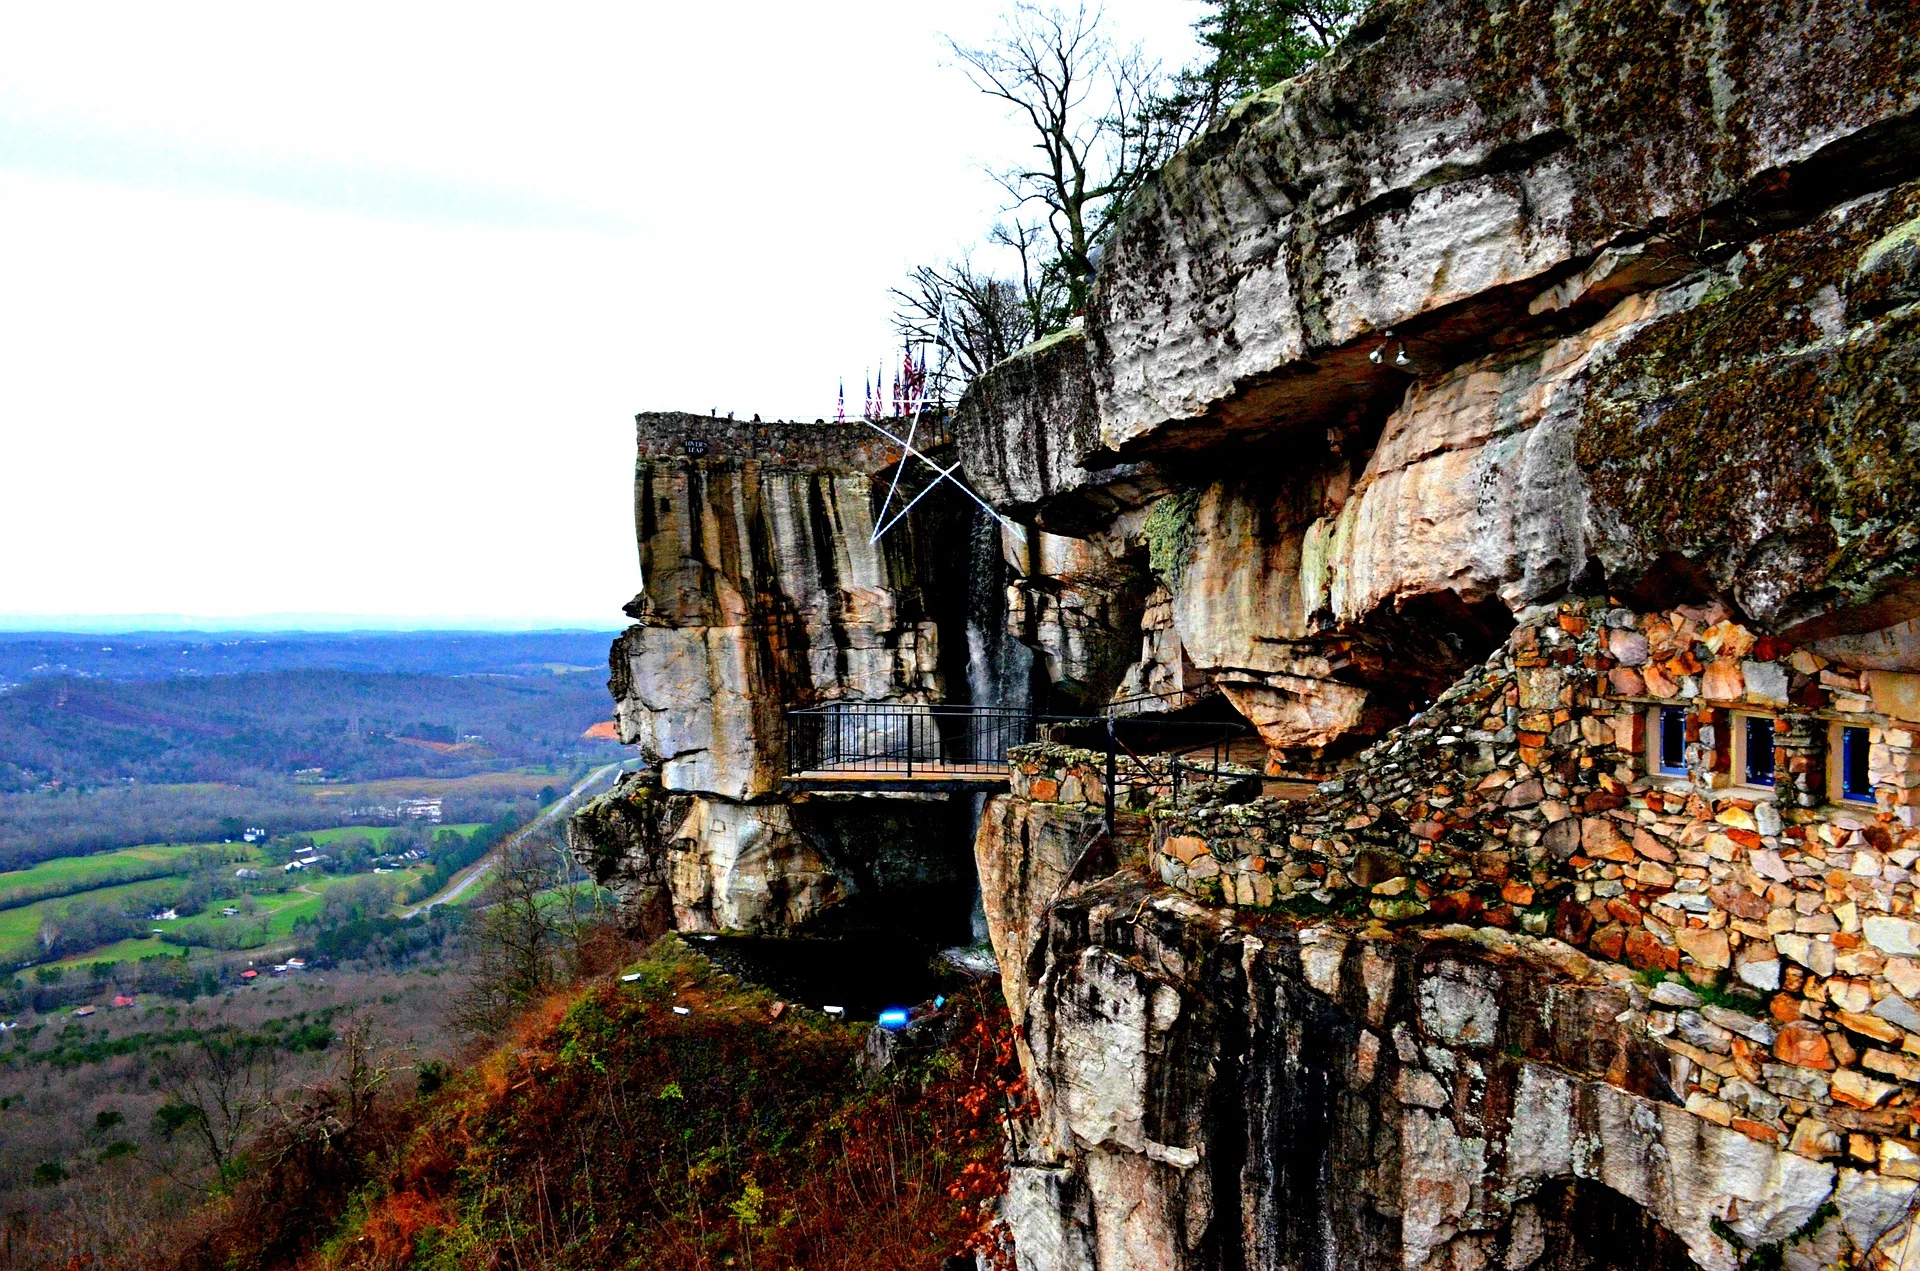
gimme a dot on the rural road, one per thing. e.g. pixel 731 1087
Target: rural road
pixel 477 871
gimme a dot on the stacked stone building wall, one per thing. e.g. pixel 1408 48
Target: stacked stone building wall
pixel 1772 930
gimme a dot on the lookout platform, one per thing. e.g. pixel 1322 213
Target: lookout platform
pixel 889 747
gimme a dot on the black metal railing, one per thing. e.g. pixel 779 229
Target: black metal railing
pixel 901 739
pixel 1147 756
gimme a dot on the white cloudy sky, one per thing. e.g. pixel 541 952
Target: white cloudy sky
pixel 346 309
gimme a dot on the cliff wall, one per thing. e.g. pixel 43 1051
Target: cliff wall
pixel 1513 419
pixel 1455 323
pixel 1516 414
pixel 764 591
pixel 1564 972
pixel 1455 173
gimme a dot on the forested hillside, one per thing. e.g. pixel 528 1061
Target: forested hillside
pixel 146 655
pixel 353 725
pixel 110 741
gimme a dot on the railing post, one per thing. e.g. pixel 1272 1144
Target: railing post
pixel 1111 776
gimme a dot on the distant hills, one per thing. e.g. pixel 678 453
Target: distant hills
pixel 108 741
pixel 26 655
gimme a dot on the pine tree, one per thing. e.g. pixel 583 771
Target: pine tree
pixel 1251 45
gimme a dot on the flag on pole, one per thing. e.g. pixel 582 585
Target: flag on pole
pixel 840 407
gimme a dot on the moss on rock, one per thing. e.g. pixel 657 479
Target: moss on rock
pixel 1771 433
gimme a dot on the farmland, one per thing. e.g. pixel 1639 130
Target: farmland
pixel 376 834
pixel 269 909
pixel 19 926
pixel 67 875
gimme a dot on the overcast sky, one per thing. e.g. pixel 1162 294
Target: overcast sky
pixel 346 310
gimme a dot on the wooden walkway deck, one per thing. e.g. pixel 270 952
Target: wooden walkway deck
pixel 928 778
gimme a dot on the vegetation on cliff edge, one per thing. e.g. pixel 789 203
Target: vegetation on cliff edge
pixel 607 1129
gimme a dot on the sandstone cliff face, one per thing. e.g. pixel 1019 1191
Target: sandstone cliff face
pixel 1451 163
pixel 1658 1010
pixel 1657 339
pixel 1221 1094
pixel 1498 305
pixel 763 592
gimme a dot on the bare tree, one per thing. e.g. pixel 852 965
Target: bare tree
pixel 520 930
pixel 1096 136
pixel 337 1110
pixel 976 318
pixel 217 1089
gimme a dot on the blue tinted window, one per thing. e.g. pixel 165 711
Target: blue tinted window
pixel 1759 751
pixel 1672 741
pixel 1855 782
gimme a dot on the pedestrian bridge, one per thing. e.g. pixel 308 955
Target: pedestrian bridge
pixel 891 746
pixel 866 746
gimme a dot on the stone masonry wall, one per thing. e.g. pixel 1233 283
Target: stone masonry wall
pixel 1779 923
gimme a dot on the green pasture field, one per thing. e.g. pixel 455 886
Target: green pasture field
pixel 273 919
pixel 73 875
pixel 372 833
pixel 20 925
pixel 118 951
pixel 511 782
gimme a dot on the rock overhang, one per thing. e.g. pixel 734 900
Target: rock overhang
pixel 1449 169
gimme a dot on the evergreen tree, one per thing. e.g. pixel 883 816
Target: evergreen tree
pixel 1251 45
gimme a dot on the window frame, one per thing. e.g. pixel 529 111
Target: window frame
pixel 1738 723
pixel 1837 765
pixel 1656 735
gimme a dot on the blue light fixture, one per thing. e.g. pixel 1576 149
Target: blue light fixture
pixel 893 1017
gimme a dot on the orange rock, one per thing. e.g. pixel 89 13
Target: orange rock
pixel 1516 893
pixel 1626 682
pixel 1651 848
pixel 1869 1026
pixel 1740 902
pixel 1648 953
pixel 1609 942
pixel 1659 683
pixel 1599 838
pixel 1707 947
pixel 1624 910
pixel 1723 682
pixel 1803 1045
pixel 1755 1130
pixel 1785 1008
pixel 1729 640
pixel 1185 848
pixel 1044 790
